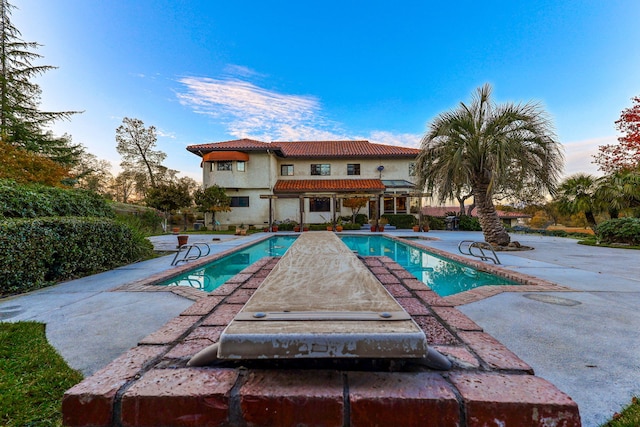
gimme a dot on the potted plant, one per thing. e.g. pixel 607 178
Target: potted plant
pixel 329 227
pixel 417 227
pixel 296 228
pixel 274 227
pixel 182 240
pixel 374 224
pixel 381 223
pixel 305 227
pixel 339 225
pixel 425 225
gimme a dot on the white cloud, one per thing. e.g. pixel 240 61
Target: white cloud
pixel 251 111
pixel 579 155
pixel 410 140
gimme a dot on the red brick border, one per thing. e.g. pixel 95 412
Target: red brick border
pixel 151 386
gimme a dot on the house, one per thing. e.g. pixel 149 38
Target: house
pixel 306 181
pixel 509 219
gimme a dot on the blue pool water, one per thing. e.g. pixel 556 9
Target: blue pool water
pixel 214 274
pixel 444 276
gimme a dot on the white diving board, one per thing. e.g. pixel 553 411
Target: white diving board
pixel 321 301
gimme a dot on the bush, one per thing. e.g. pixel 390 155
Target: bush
pixel 37 252
pixel 469 223
pixel 619 230
pixel 436 223
pixel 32 201
pixel 401 220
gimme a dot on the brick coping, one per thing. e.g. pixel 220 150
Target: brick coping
pixel 150 385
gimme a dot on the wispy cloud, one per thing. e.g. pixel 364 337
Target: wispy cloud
pixel 579 155
pixel 410 140
pixel 251 111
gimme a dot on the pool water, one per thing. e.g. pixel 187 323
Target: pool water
pixel 214 274
pixel 443 276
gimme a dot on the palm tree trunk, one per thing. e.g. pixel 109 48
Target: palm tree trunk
pixel 492 228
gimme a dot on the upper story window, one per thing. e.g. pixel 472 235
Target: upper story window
pixel 286 170
pixel 225 165
pixel 353 169
pixel 239 202
pixel 241 165
pixel 412 169
pixel 321 169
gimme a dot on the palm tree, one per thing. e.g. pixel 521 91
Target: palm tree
pixel 481 145
pixel 619 191
pixel 577 194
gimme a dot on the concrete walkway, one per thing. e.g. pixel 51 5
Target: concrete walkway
pixel 585 342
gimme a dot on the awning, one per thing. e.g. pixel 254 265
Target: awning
pixel 328 185
pixel 214 156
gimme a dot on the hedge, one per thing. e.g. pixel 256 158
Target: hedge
pixel 33 201
pixel 619 230
pixel 401 220
pixel 37 252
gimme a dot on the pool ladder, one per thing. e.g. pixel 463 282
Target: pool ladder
pixel 466 247
pixel 186 252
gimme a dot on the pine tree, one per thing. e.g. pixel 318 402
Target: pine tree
pixel 22 123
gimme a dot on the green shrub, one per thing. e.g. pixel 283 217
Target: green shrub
pixel 39 251
pixel 619 230
pixel 401 220
pixel 469 223
pixel 436 223
pixel 32 201
pixel 351 226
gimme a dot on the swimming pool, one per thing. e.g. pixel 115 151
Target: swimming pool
pixel 444 276
pixel 217 272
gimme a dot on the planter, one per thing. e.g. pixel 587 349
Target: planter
pixel 338 228
pixel 296 229
pixel 182 240
pixel 425 228
pixel 274 228
pixel 416 228
pixel 329 228
pixel 380 227
pixel 175 230
pixel 373 228
pixel 305 229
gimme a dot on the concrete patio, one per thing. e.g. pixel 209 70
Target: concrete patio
pixel 583 341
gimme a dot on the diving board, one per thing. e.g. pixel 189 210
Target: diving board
pixel 321 301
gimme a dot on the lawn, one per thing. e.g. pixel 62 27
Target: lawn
pixel 33 377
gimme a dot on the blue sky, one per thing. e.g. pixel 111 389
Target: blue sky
pixel 207 71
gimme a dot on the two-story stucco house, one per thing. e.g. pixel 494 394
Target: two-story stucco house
pixel 306 181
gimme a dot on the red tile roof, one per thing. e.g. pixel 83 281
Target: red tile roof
pixel 238 144
pixel 441 211
pixel 311 149
pixel 333 185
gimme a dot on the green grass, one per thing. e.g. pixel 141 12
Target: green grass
pixel 33 377
pixel 629 417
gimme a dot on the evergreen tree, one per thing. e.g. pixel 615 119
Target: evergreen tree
pixel 22 123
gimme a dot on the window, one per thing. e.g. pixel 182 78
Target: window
pixel 286 170
pixel 412 169
pixel 321 169
pixel 240 165
pixel 353 169
pixel 239 202
pixel 225 165
pixel 320 204
pixel 395 205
